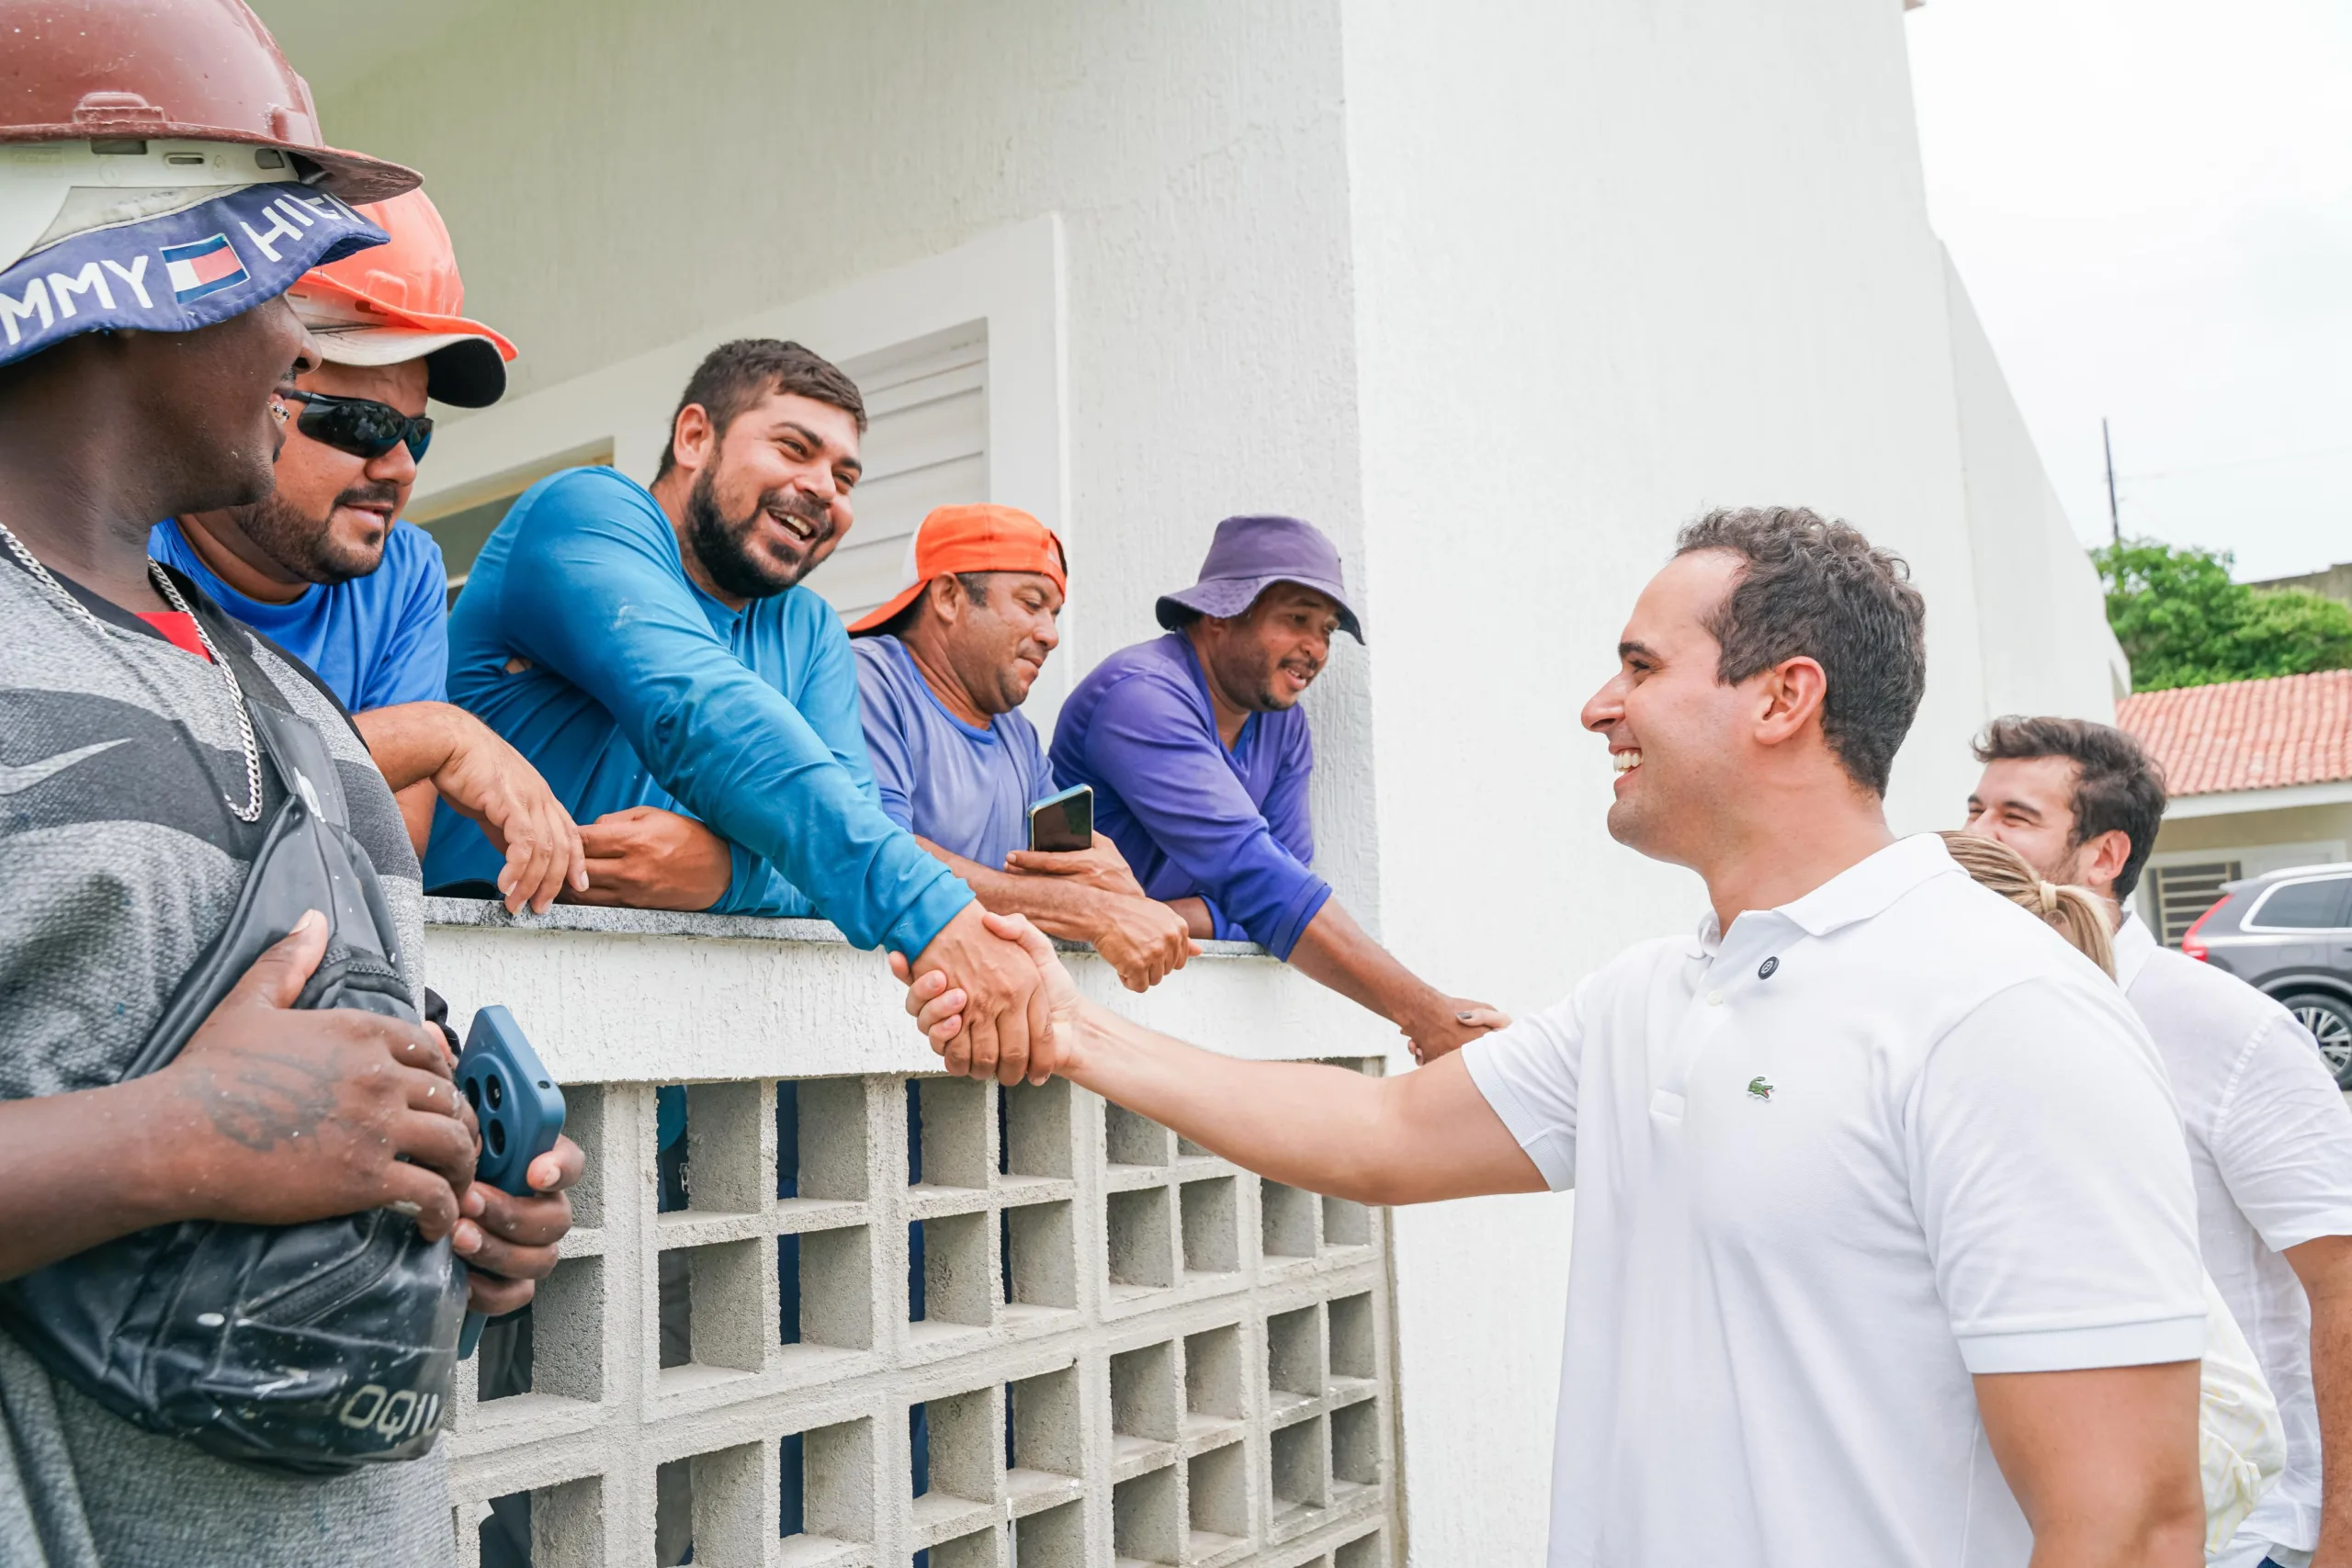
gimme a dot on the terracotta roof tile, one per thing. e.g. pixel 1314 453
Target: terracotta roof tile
pixel 2292 729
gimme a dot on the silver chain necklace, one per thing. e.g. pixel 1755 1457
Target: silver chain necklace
pixel 251 810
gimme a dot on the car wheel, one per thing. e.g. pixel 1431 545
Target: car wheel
pixel 2330 1021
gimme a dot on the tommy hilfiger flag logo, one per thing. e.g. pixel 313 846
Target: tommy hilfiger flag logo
pixel 205 267
pixel 176 272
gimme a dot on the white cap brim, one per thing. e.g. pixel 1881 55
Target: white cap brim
pixel 474 378
pixel 383 345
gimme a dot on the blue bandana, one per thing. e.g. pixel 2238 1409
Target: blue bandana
pixel 177 273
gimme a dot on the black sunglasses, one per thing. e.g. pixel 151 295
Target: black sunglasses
pixel 360 426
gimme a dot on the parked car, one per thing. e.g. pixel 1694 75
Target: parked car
pixel 2290 934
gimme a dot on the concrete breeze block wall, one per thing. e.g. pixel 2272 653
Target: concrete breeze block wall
pixel 1122 1349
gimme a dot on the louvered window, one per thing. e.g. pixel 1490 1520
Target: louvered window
pixel 2184 892
pixel 926 446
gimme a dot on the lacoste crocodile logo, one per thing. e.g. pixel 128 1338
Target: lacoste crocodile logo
pixel 1757 1088
pixel 15 779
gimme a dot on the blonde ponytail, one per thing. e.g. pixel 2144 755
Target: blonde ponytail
pixel 2075 913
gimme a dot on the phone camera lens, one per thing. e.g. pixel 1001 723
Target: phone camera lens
pixel 496 1090
pixel 495 1134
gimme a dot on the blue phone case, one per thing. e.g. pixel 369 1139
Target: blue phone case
pixel 520 1110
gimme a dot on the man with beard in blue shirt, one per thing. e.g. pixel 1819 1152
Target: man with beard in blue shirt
pixel 652 654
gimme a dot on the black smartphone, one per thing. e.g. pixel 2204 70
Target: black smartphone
pixel 1062 822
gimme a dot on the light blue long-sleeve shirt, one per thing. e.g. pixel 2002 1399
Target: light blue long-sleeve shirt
pixel 579 639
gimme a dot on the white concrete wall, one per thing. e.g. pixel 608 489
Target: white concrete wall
pixel 2047 646
pixel 1497 294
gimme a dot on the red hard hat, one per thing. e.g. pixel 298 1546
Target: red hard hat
pixel 399 301
pixel 191 70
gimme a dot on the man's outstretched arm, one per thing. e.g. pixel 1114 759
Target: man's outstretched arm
pixel 2103 1462
pixel 1414 1139
pixel 593 592
pixel 614 616
pixel 1141 937
pixel 1334 951
pixel 1417 1138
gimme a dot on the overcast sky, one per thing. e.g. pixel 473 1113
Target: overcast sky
pixel 2151 202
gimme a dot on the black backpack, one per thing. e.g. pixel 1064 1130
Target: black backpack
pixel 311 1349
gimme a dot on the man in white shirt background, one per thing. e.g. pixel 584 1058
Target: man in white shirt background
pixel 2269 1139
pixel 1885 1240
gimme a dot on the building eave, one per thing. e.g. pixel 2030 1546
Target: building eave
pixel 2229 803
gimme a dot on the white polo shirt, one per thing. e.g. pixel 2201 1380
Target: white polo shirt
pixel 1827 1167
pixel 2270 1148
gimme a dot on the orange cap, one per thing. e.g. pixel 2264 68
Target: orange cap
pixel 970 538
pixel 400 301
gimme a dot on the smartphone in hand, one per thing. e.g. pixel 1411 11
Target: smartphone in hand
pixel 519 1108
pixel 1063 822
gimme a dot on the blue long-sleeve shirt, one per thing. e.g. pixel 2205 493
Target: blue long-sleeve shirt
pixel 1192 817
pixel 579 639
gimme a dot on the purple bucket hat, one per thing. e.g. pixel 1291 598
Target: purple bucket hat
pixel 1250 554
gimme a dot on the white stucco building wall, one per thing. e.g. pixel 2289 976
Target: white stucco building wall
pixel 1499 295
pixel 2047 647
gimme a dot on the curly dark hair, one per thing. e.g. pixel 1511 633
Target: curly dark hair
pixel 1814 587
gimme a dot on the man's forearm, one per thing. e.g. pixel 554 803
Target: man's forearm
pixel 2324 1267
pixel 1418 1138
pixel 2331 1390
pixel 1198 923
pixel 1056 907
pixel 409 742
pixel 1334 951
pixel 416 803
pixel 79 1170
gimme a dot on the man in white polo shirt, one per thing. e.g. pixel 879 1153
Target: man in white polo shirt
pixel 2269 1140
pixel 1886 1246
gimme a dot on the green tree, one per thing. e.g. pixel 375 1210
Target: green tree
pixel 2183 623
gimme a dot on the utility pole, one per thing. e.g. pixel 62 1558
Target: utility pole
pixel 2114 518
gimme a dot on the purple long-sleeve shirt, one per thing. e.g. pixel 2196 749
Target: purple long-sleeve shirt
pixel 1192 818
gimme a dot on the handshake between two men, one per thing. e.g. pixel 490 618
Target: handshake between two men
pixel 1009 1026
